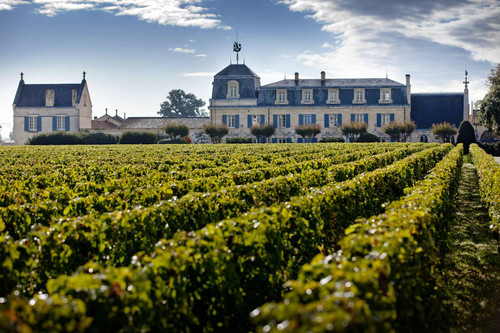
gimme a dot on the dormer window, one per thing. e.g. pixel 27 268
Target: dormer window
pixel 73 97
pixel 333 96
pixel 281 96
pixel 385 96
pixel 49 97
pixel 307 96
pixel 359 96
pixel 233 89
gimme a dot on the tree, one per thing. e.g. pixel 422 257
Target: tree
pixel 353 130
pixel 216 132
pixel 308 131
pixel 177 130
pixel 444 130
pixel 489 106
pixel 400 132
pixel 181 104
pixel 262 132
pixel 466 135
pixel 368 137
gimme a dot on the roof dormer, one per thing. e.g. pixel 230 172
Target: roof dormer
pixel 49 97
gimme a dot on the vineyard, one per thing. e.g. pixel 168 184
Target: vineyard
pixel 313 237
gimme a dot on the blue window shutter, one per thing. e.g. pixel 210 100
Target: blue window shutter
pixel 392 140
pixel 54 123
pixel 391 117
pixel 339 117
pixel 224 119
pixel 300 140
pixel 313 119
pixel 301 119
pixel 366 118
pixel 288 140
pixel 262 119
pixel 315 140
pixel 66 123
pixel 327 120
pixel 26 124
pixel 237 121
pixel 249 121
pixel 288 122
pixel 275 120
pixel 379 120
pixel 39 123
pixel 353 117
pixel 274 140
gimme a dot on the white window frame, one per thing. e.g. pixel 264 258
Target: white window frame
pixel 334 120
pixel 359 117
pixel 333 96
pixel 32 123
pixel 233 89
pixel 385 96
pixel 307 96
pixel 281 96
pixel 359 96
pixel 256 120
pixel 231 121
pixel 308 119
pixel 385 119
pixel 61 123
pixel 281 121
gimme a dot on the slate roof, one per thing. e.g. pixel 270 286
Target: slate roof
pixel 433 108
pixel 99 125
pixel 33 95
pixel 161 122
pixel 334 83
pixel 237 70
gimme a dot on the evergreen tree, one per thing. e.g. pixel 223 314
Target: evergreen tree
pixel 466 135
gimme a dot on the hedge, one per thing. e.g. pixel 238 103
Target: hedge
pixel 385 277
pixel 489 185
pixel 211 278
pixel 138 138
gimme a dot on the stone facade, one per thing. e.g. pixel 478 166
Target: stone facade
pixel 45 108
pixel 326 102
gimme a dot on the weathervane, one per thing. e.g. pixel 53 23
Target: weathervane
pixel 466 82
pixel 237 47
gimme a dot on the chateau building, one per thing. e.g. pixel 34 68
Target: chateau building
pixel 45 108
pixel 240 101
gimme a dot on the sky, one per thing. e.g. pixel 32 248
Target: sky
pixel 135 51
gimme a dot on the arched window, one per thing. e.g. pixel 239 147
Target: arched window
pixel 233 89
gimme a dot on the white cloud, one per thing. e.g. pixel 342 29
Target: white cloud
pixel 181 50
pixel 199 74
pixel 201 55
pixel 10 4
pixel 184 13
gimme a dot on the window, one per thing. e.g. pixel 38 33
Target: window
pixel 281 97
pixel 334 120
pixel 333 96
pixel 385 95
pixel 281 140
pixel 281 121
pixel 233 89
pixel 255 120
pixel 359 117
pixel 61 123
pixel 307 96
pixel 49 97
pixel 33 124
pixel 308 119
pixel 231 121
pixel 385 119
pixel 359 96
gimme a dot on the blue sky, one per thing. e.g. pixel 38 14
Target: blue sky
pixel 136 51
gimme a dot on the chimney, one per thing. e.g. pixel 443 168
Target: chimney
pixel 95 117
pixel 124 115
pixel 106 110
pixel 116 110
pixel 296 78
pixel 323 78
